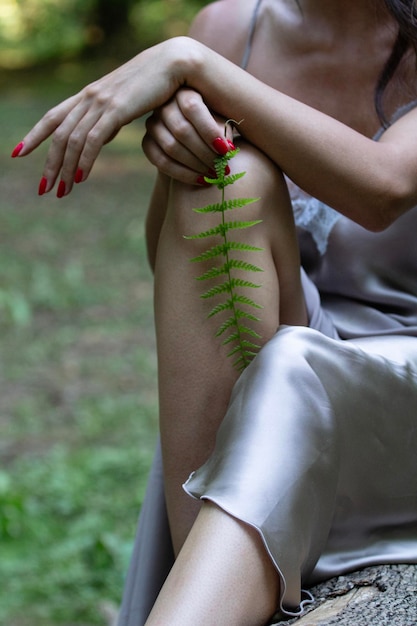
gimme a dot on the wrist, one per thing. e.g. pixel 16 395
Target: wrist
pixel 187 58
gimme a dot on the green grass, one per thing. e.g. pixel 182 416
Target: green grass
pixel 78 401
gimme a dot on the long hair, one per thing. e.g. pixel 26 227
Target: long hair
pixel 405 14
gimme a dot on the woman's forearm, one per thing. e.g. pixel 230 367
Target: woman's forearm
pixel 370 182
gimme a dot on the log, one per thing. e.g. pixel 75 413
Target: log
pixel 385 595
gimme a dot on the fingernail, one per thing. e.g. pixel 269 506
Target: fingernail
pixel 17 150
pixel 201 181
pixel 42 186
pixel 221 146
pixel 213 174
pixel 61 189
pixel 79 175
pixel 231 145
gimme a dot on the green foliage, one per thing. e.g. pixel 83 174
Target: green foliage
pixel 242 339
pixel 33 32
pixel 62 520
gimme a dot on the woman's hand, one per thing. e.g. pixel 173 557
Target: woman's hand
pixel 176 141
pixel 82 124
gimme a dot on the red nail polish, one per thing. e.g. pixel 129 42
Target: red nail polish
pixel 61 189
pixel 227 170
pixel 200 181
pixel 231 145
pixel 42 186
pixel 221 146
pixel 17 150
pixel 79 175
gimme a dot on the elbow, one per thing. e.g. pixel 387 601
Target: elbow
pixel 391 201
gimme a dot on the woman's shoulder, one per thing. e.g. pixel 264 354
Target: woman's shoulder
pixel 224 27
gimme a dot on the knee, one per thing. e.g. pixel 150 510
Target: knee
pixel 262 180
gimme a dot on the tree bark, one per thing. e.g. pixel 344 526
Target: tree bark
pixel 385 595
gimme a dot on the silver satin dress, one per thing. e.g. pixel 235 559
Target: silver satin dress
pixel 318 449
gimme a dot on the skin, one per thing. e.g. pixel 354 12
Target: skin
pixel 307 109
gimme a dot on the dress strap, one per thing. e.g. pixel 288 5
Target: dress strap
pixel 248 48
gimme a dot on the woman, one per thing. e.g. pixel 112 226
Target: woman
pixel 307 468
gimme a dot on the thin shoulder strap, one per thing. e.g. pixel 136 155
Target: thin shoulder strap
pixel 248 47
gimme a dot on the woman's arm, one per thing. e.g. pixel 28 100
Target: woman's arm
pixel 370 182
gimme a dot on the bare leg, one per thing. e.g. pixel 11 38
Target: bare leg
pixel 195 377
pixel 222 577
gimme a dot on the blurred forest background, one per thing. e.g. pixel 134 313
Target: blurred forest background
pixel 78 402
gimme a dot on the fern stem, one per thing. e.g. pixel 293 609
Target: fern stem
pixel 229 277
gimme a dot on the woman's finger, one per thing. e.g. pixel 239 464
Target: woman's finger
pixel 158 133
pixel 205 123
pixel 170 167
pixel 185 133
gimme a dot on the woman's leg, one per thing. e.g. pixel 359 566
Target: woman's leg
pixel 222 577
pixel 195 375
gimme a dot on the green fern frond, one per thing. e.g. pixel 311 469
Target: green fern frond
pixel 245 344
pixel 234 320
pixel 219 308
pixel 238 264
pixel 245 300
pixel 222 229
pixel 241 337
pixel 239 225
pixel 224 269
pixel 232 178
pixel 219 207
pixel 223 249
pixel 228 287
pixel 218 289
pixel 241 282
pixel 238 333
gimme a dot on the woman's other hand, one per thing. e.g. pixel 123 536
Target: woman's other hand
pixel 179 137
pixel 82 124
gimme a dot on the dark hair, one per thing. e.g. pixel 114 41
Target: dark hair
pixel 405 14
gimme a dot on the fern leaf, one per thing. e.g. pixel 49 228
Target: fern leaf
pixel 217 289
pixel 229 323
pixel 217 230
pixel 245 247
pixel 229 180
pixel 240 282
pixel 238 203
pixel 223 249
pixel 211 253
pixel 214 272
pixel 245 300
pixel 238 264
pixel 224 269
pixel 239 313
pixel 228 305
pixel 237 336
pixel 249 344
pixel 245 330
pixel 218 207
pixel 239 225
